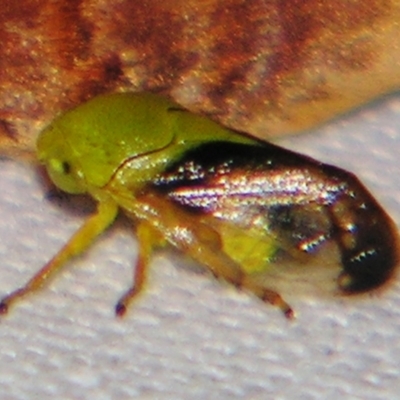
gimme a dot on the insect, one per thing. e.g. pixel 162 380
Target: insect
pixel 233 203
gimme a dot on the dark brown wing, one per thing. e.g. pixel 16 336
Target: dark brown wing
pixel 262 186
pixel 296 199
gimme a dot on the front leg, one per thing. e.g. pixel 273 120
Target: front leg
pixel 77 244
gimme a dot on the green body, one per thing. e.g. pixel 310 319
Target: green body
pixel 114 145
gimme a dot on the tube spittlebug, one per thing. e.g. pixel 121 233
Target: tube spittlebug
pixel 232 203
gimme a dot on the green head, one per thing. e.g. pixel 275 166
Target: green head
pixel 86 145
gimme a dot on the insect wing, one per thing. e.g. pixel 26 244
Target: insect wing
pixel 260 207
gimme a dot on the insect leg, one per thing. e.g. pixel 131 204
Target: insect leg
pixel 222 266
pixel 79 242
pixel 148 239
pixel 188 233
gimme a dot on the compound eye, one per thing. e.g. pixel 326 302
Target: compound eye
pixel 60 167
pixel 64 176
pixel 66 167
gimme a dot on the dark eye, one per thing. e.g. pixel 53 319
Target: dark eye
pixel 66 167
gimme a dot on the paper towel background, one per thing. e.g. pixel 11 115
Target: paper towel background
pixel 189 337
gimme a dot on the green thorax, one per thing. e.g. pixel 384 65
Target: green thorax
pixel 134 134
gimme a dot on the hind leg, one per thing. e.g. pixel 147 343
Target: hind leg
pixel 190 234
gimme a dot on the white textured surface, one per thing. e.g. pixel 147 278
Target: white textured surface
pixel 189 337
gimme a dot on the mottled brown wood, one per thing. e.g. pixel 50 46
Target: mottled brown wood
pixel 267 67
